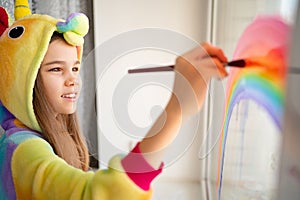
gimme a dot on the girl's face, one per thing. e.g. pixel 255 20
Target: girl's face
pixel 60 75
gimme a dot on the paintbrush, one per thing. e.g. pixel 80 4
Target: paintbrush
pixel 235 63
pixel 240 63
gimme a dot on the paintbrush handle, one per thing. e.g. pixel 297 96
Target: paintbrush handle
pixel 152 69
pixel 234 63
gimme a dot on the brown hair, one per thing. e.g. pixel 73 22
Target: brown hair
pixel 61 131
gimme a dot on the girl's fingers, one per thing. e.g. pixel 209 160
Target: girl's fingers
pixel 211 67
pixel 208 60
pixel 204 51
pixel 214 51
pixel 221 71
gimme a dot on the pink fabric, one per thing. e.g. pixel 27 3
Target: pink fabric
pixel 138 169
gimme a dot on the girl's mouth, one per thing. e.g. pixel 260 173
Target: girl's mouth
pixel 69 95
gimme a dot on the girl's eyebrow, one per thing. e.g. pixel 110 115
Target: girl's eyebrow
pixel 77 62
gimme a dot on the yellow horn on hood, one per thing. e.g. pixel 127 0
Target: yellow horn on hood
pixel 21 9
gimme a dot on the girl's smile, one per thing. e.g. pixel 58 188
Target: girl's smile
pixel 70 96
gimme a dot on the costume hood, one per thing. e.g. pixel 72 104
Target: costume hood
pixel 23 45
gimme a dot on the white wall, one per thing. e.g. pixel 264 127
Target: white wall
pixel 114 17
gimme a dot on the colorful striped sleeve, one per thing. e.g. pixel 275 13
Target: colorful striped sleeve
pixel 39 174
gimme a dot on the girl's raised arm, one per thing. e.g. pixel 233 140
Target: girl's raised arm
pixel 193 71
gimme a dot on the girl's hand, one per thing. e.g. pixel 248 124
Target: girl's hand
pixel 193 71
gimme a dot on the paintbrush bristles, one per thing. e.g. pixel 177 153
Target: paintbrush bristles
pixel 237 63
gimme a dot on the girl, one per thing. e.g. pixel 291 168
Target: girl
pixel 42 153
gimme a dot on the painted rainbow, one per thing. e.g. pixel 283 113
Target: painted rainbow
pixel 264 46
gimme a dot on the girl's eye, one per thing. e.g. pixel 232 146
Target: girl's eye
pixel 55 69
pixel 75 69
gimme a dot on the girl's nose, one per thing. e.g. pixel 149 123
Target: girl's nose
pixel 72 80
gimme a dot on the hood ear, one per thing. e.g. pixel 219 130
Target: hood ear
pixel 21 9
pixel 4 20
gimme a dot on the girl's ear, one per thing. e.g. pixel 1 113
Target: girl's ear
pixel 4 20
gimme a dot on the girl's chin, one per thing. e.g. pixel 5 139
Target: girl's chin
pixel 67 111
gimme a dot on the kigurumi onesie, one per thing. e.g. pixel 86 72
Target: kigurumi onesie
pixel 29 167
